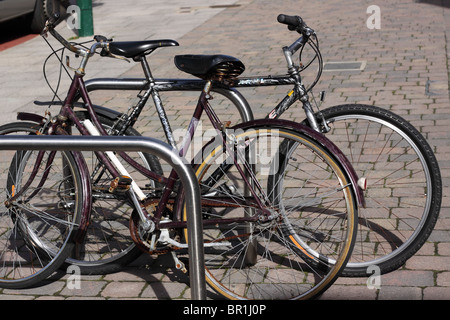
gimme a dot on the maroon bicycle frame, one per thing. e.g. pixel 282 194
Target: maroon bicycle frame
pixel 78 89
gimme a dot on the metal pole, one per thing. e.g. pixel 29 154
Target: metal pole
pixel 86 18
pixel 142 144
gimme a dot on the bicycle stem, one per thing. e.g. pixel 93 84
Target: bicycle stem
pixel 299 89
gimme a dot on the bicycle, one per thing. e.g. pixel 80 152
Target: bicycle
pixel 401 176
pixel 266 238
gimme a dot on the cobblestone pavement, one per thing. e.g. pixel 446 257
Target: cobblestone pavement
pixel 406 71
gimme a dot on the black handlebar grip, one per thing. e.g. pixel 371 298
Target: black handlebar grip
pixel 100 38
pixel 292 21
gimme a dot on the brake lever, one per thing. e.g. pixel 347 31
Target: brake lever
pixel 107 53
pixel 100 38
pixel 307 31
pixel 118 57
pixel 44 32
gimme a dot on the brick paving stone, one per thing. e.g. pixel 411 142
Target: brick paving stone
pixel 123 289
pixel 436 293
pixel 85 298
pixel 47 288
pixel 444 249
pixel 340 292
pixel 400 293
pixel 50 298
pixel 428 249
pixel 164 290
pixel 16 297
pixel 443 279
pixel 137 274
pixel 440 236
pixel 87 289
pixel 408 278
pixel 437 263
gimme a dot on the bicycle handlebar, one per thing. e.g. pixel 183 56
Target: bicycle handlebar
pixel 295 23
pixel 50 27
pixel 52 22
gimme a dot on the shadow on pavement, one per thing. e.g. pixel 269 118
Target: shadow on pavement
pixel 14 32
pixel 14 29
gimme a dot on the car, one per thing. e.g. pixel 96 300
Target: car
pixel 35 11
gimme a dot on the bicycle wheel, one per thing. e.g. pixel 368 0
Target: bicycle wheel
pixel 308 217
pixel 404 187
pixel 38 219
pixel 108 246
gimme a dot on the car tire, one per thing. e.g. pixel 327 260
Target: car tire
pixel 42 10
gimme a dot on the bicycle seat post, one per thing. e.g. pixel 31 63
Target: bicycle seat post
pixel 146 69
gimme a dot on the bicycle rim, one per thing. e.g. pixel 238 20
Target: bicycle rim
pixel 38 227
pixel 403 185
pixel 272 259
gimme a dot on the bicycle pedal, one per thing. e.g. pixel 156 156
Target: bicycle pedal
pixel 120 184
pixel 178 263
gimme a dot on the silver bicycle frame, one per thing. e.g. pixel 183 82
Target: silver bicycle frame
pixel 161 85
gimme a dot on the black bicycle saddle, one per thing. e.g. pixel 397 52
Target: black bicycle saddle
pixel 210 67
pixel 132 49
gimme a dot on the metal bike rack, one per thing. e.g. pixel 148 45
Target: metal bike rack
pixel 141 144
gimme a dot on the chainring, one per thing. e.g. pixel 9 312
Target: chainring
pixel 143 239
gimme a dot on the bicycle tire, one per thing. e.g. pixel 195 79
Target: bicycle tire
pixel 275 266
pixel 400 212
pixel 38 228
